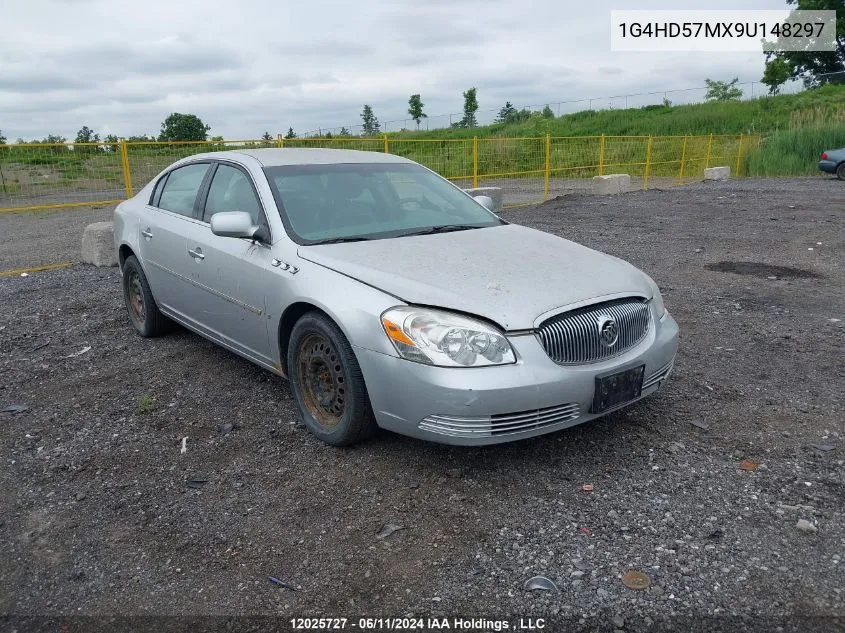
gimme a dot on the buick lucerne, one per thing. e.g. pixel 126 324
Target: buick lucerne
pixel 389 297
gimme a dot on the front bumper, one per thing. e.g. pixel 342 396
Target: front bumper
pixel 828 165
pixel 490 405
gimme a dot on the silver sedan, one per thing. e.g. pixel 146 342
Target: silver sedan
pixel 389 297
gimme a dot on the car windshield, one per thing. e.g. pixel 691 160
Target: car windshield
pixel 356 201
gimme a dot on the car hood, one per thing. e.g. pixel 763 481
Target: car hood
pixel 508 274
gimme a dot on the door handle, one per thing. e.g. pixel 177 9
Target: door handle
pixel 147 233
pixel 196 253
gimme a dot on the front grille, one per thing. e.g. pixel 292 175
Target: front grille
pixel 499 424
pixel 574 337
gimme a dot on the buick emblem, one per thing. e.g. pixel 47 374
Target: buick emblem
pixel 608 331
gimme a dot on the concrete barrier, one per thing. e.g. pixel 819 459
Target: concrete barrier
pixel 98 244
pixel 717 173
pixel 494 193
pixel 611 184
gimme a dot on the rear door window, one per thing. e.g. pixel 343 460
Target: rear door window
pixel 180 191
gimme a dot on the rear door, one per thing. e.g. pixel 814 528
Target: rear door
pixel 234 274
pixel 168 218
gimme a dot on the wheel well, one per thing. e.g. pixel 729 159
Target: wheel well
pixel 289 318
pixel 123 253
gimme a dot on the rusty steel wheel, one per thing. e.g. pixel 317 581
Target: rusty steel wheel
pixel 327 383
pixel 140 304
pixel 135 297
pixel 320 374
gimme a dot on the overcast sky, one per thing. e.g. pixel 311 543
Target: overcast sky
pixel 245 67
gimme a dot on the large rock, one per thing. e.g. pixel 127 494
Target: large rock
pixel 98 244
pixel 612 183
pixel 494 193
pixel 717 173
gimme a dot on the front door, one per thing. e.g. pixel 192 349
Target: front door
pixel 233 273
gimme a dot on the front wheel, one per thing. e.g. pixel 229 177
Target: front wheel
pixel 327 384
pixel 840 171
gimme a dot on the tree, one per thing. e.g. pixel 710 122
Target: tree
pixel 143 138
pixel 506 113
pixel 112 141
pixel 266 136
pixel 547 113
pixel 370 126
pixel 723 90
pixel 415 109
pixel 2 138
pixel 86 135
pixel 291 133
pixel 343 132
pixel 814 68
pixel 183 127
pixel 329 135
pixel 470 108
pixel 778 71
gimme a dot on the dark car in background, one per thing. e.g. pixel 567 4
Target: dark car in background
pixel 833 162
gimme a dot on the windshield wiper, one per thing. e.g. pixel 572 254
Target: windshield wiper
pixel 340 240
pixel 443 228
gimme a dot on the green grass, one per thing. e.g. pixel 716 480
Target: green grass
pixel 794 152
pixel 757 116
pixel 146 404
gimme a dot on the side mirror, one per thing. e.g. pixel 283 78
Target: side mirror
pixel 233 224
pixel 485 201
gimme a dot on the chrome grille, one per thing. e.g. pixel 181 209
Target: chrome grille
pixel 499 424
pixel 574 337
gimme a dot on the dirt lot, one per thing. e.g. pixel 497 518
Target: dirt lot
pixel 101 514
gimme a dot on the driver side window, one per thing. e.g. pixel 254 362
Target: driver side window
pixel 231 190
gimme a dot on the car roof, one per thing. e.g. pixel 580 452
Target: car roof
pixel 274 157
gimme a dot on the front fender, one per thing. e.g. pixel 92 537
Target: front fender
pixel 355 307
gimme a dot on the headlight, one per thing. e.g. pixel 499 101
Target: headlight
pixel 445 339
pixel 657 298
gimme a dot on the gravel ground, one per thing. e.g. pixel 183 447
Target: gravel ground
pixel 100 513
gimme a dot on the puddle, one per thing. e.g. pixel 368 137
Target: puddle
pixel 756 269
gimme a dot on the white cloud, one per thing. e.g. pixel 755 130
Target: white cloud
pixel 265 65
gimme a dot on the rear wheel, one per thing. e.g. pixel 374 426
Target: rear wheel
pixel 327 383
pixel 143 311
pixel 840 171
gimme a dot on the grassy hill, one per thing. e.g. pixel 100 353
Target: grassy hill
pixel 757 116
pixel 794 128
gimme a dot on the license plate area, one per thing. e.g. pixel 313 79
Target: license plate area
pixel 618 388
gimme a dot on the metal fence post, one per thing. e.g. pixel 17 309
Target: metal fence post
pixel 474 162
pixel 548 166
pixel 683 158
pixel 738 155
pixel 647 163
pixel 127 175
pixel 601 156
pixel 709 145
pixel 386 146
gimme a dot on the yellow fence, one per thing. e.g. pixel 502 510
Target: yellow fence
pixel 530 170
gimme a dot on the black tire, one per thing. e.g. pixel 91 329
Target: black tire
pixel 328 387
pixel 840 171
pixel 141 307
